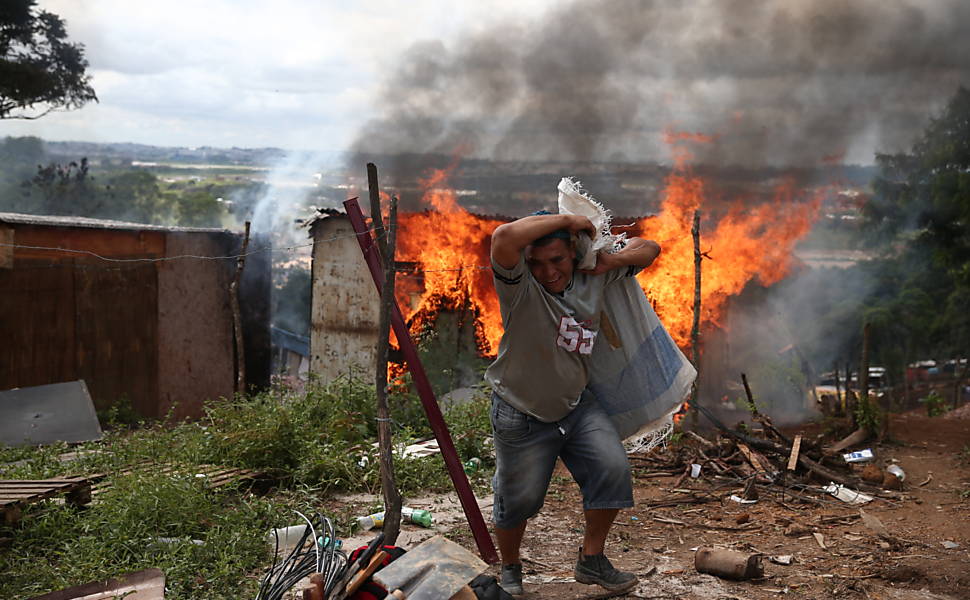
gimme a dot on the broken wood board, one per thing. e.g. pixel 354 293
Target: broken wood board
pixel 15 494
pixel 148 584
pixel 795 448
pixel 215 477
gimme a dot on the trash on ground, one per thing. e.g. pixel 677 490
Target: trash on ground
pixel 434 569
pixel 783 559
pixel 847 495
pixel 859 456
pixel 729 564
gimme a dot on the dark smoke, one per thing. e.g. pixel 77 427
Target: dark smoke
pixel 779 83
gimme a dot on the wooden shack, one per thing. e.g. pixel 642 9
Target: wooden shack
pixel 345 309
pixel 130 309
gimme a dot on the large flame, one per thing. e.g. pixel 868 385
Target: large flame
pixel 447 250
pixel 448 247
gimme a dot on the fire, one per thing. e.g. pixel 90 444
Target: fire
pixel 748 241
pixel 680 414
pixel 448 249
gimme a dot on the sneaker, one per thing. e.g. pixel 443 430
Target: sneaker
pixel 511 580
pixel 598 569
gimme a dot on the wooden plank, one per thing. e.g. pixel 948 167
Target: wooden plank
pixel 749 454
pixel 38 336
pixel 795 448
pixel 116 329
pixel 105 242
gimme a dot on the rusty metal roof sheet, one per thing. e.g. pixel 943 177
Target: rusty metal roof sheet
pixel 88 223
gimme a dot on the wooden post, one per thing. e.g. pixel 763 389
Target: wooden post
pixel 695 232
pixel 864 373
pixel 958 384
pixel 377 220
pixel 392 497
pixel 466 496
pixel 838 388
pixel 240 387
pixel 747 392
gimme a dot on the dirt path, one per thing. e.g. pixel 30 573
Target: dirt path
pixel 854 562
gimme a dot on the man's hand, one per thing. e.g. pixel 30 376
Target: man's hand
pixel 638 252
pixel 604 262
pixel 510 239
pixel 578 223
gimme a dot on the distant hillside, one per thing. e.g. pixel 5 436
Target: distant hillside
pixel 126 152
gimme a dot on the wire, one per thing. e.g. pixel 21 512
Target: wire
pixel 325 558
pixel 183 256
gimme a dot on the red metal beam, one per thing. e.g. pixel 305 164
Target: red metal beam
pixel 468 503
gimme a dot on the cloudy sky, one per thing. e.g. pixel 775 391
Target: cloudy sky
pixel 772 81
pixel 298 74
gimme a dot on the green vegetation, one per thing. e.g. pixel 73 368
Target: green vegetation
pixel 915 294
pixel 316 443
pixel 31 182
pixel 935 404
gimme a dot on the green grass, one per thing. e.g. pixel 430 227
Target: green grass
pixel 314 442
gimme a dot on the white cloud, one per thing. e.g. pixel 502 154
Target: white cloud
pixel 291 73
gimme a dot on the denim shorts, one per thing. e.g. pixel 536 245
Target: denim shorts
pixel 526 450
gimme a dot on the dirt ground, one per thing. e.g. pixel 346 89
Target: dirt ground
pixel 833 553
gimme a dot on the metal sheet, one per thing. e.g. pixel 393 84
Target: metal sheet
pixel 48 413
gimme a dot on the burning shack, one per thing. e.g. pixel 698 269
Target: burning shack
pixel 137 311
pixel 440 302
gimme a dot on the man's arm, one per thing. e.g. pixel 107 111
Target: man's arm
pixel 510 239
pixel 638 253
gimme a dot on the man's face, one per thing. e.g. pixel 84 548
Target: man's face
pixel 551 264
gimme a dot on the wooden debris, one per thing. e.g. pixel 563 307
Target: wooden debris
pixel 700 439
pixel 759 462
pixel 793 457
pixel 16 494
pixel 820 539
pixel 929 478
pixel 856 437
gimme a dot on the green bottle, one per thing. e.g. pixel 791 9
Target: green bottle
pixel 417 516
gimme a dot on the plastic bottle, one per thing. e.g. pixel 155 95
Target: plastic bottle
pixel 472 465
pixel 371 521
pixel 287 537
pixel 417 516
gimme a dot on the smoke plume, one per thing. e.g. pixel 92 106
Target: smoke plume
pixel 778 83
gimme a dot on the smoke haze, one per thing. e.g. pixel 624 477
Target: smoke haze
pixel 777 83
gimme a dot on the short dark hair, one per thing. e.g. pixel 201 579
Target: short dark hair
pixel 559 234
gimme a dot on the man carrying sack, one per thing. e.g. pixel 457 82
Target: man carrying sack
pixel 551 313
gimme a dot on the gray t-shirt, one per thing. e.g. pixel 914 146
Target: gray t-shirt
pixel 543 358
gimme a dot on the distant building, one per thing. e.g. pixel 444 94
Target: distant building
pixel 291 353
pixel 157 334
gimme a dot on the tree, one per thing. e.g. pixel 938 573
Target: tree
pixel 39 69
pixel 921 213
